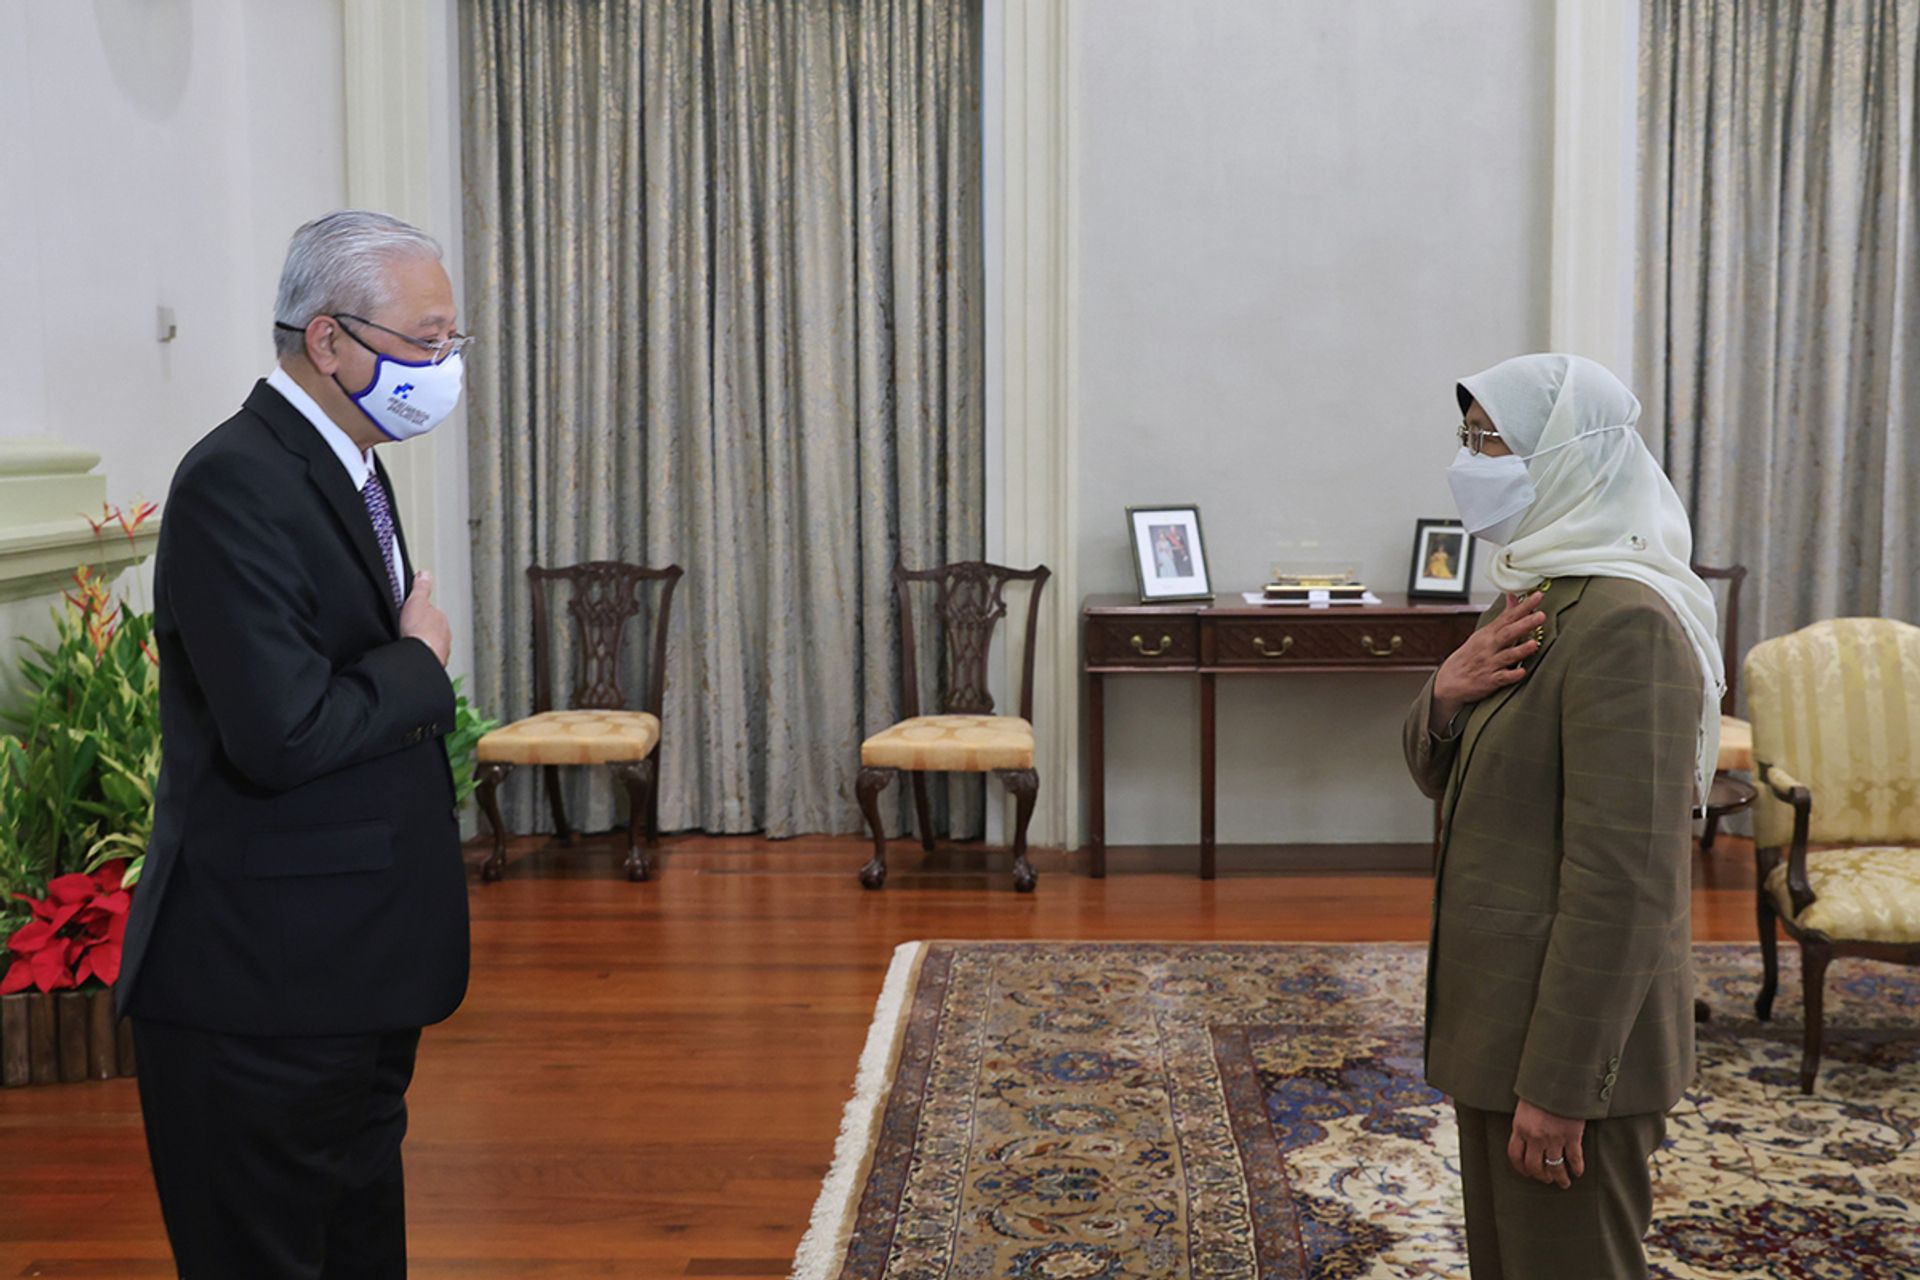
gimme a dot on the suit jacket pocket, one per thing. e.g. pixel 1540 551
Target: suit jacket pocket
pixel 1490 919
pixel 319 851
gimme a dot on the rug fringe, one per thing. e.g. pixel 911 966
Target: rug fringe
pixel 831 1226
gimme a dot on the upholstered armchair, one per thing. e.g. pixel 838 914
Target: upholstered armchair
pixel 597 727
pixel 966 736
pixel 1836 744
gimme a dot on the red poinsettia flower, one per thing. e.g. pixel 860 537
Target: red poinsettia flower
pixel 77 933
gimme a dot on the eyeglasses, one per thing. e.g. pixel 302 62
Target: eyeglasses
pixel 437 352
pixel 1473 436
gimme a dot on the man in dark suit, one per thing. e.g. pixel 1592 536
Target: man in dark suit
pixel 303 912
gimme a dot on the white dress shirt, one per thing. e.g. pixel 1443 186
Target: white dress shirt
pixel 358 462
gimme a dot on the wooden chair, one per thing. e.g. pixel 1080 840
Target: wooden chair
pixel 1836 741
pixel 597 728
pixel 1729 795
pixel 966 737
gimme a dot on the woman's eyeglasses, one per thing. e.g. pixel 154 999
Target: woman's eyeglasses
pixel 1473 436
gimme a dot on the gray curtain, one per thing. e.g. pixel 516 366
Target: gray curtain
pixel 724 261
pixel 1779 337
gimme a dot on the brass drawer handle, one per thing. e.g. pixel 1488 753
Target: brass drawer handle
pixel 1260 647
pixel 1140 647
pixel 1366 642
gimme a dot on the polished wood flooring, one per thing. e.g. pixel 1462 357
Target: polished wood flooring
pixel 646 1080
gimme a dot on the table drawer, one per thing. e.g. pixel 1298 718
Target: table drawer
pixel 1143 642
pixel 1335 641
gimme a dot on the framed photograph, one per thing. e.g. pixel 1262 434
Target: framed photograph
pixel 1442 560
pixel 1169 555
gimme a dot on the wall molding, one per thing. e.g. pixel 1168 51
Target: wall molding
pixel 1033 362
pixel 1596 70
pixel 48 492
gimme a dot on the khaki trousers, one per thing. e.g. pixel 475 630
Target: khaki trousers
pixel 1519 1229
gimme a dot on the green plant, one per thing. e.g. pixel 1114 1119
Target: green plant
pixel 78 769
pixel 469 726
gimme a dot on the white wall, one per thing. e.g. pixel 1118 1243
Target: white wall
pixel 160 152
pixel 1299 224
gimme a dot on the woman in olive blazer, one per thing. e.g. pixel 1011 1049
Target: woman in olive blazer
pixel 1566 741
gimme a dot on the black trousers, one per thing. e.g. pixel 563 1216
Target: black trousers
pixel 1519 1229
pixel 278 1158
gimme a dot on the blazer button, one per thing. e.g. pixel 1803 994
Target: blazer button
pixel 1606 1093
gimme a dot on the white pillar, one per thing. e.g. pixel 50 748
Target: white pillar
pixel 402 60
pixel 1032 366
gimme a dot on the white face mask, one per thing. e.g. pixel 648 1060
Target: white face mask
pixel 407 399
pixel 1493 494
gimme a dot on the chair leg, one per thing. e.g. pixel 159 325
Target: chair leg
pixel 1769 955
pixel 1813 980
pixel 1025 786
pixel 653 805
pixel 488 775
pixel 868 787
pixel 561 826
pixel 638 777
pixel 922 810
pixel 1712 830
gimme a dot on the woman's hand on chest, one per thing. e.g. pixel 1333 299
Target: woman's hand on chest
pixel 1489 661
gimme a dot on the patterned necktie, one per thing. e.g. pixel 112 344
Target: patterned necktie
pixel 381 514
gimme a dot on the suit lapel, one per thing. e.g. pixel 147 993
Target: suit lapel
pixel 1560 597
pixel 330 478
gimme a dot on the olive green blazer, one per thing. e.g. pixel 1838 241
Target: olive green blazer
pixel 1560 966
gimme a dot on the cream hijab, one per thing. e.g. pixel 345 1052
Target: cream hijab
pixel 1604 508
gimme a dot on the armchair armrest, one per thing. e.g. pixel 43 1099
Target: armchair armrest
pixel 1790 790
pixel 1782 783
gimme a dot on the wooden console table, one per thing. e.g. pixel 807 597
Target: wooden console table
pixel 1121 636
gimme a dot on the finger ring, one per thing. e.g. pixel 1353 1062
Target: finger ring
pixel 1553 1160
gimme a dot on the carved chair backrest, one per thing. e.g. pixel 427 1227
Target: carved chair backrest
pixel 605 596
pixel 1733 575
pixel 969 600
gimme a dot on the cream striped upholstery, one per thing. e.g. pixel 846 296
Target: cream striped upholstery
pixel 1837 704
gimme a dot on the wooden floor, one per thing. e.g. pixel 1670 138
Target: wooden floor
pixel 646 1080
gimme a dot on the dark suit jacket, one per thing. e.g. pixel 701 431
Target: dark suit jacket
pixel 1560 970
pixel 304 875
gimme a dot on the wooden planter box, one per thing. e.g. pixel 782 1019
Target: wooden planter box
pixel 61 1037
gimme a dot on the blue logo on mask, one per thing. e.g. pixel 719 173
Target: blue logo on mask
pixel 403 389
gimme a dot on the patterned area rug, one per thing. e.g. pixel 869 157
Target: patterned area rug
pixel 1119 1111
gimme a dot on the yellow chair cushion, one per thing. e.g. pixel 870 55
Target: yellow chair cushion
pixel 952 744
pixel 1736 746
pixel 573 737
pixel 1868 894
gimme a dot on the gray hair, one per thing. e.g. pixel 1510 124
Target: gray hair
pixel 338 263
